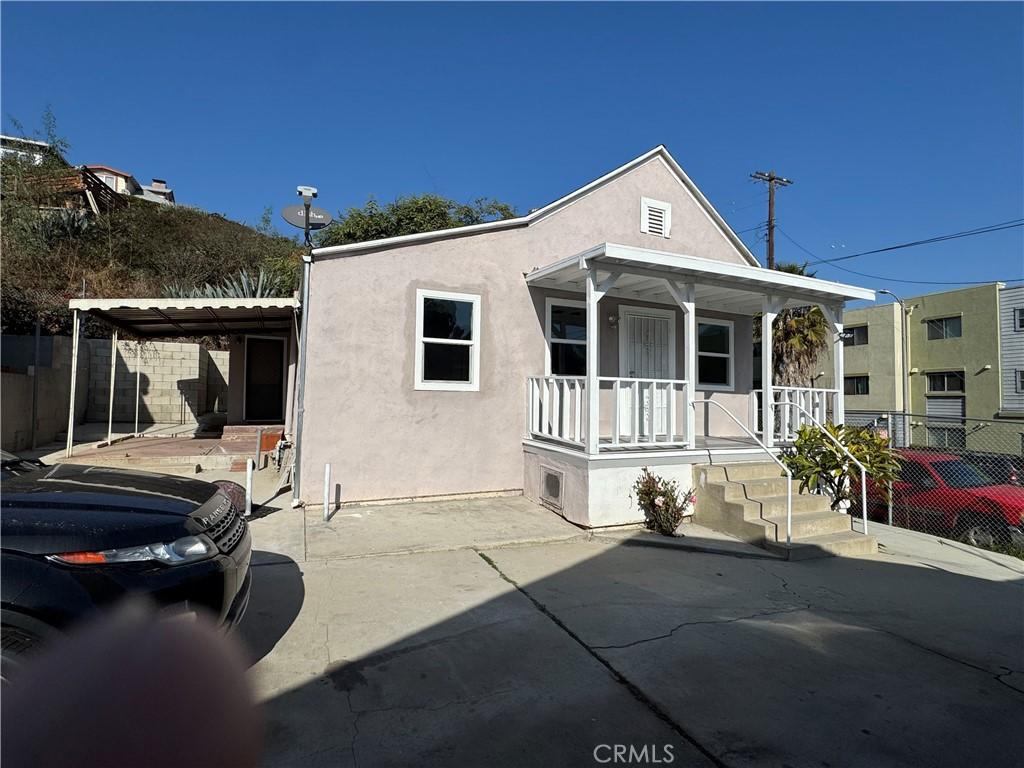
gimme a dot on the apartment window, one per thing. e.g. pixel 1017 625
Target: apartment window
pixel 946 381
pixel 1020 381
pixel 1018 318
pixel 447 341
pixel 855 385
pixel 856 336
pixel 715 354
pixel 566 329
pixel 655 217
pixel 944 328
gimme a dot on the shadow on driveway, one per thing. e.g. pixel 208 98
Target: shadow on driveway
pixel 539 655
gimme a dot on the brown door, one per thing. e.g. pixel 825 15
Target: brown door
pixel 264 380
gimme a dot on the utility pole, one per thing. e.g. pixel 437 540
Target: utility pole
pixel 772 181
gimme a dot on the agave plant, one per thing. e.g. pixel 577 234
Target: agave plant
pixel 243 285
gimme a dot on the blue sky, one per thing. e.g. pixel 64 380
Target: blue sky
pixel 896 121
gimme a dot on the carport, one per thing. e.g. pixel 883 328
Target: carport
pixel 262 333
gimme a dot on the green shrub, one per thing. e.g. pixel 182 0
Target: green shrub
pixel 662 503
pixel 820 465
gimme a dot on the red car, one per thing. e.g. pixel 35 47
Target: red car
pixel 940 493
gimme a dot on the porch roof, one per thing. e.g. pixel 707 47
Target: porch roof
pixel 737 288
pixel 155 318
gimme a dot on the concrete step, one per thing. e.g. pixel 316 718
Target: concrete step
pixel 845 544
pixel 808 525
pixel 741 471
pixel 767 506
pixel 750 489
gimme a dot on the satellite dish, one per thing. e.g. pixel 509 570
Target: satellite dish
pixel 296 216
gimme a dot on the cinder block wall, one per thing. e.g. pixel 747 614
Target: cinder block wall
pixel 173 384
pixel 54 392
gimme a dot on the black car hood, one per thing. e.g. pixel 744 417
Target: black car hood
pixel 71 507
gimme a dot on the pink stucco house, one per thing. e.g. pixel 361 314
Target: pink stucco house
pixel 554 354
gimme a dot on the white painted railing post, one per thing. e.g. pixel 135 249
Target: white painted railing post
pixel 249 466
pixel 771 306
pixel 327 492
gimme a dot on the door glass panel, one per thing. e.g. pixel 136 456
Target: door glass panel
pixel 447 319
pixel 445 362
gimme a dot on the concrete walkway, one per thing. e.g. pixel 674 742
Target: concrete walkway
pixel 431 635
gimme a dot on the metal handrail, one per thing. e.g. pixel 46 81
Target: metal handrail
pixel 772 456
pixel 844 449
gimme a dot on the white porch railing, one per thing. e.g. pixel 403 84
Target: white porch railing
pixel 556 408
pixel 632 412
pixel 795 407
pixel 643 412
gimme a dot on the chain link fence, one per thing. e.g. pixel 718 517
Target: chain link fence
pixel 959 478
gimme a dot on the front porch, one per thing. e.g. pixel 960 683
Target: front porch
pixel 616 321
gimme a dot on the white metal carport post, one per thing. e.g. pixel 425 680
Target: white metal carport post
pixel 595 292
pixel 113 370
pixel 74 382
pixel 772 305
pixel 683 293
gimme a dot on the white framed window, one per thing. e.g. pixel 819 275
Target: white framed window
pixel 1019 377
pixel 447 341
pixel 565 328
pixel 715 359
pixel 655 217
pixel 1018 318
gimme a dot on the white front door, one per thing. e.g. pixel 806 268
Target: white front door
pixel 646 351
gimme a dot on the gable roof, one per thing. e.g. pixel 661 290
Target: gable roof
pixel 660 152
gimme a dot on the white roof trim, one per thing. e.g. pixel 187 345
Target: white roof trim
pixel 647 258
pixel 522 221
pixel 87 305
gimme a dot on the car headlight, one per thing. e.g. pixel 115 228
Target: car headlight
pixel 185 550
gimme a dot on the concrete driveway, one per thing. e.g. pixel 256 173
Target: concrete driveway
pixel 373 645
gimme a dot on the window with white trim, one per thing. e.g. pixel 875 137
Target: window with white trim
pixel 715 354
pixel 1020 381
pixel 655 217
pixel 566 331
pixel 447 341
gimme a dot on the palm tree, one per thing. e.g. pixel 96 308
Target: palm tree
pixel 799 338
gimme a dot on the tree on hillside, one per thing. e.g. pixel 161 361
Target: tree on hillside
pixel 799 337
pixel 51 244
pixel 408 216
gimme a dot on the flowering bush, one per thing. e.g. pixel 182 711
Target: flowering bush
pixel 662 503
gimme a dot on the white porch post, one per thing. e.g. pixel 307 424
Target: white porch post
pixel 771 305
pixel 113 371
pixel 834 315
pixel 595 292
pixel 74 383
pixel 593 361
pixel 683 293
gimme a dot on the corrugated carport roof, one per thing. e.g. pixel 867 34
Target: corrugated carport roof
pixel 155 318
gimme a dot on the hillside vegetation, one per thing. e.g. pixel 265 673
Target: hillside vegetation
pixel 49 247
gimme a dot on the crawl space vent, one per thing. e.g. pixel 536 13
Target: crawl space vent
pixel 551 487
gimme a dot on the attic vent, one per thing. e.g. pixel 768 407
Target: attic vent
pixel 655 217
pixel 551 487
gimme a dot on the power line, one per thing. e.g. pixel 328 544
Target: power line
pixel 895 279
pixel 937 239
